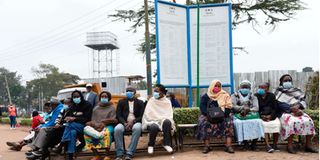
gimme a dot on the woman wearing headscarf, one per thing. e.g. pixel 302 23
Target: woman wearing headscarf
pixel 295 121
pixel 158 116
pixel 207 129
pixel 79 114
pixel 98 132
pixel 247 122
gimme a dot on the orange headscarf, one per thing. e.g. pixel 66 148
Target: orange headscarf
pixel 222 97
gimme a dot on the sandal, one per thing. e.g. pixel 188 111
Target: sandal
pixel 291 150
pixel 311 150
pixel 229 149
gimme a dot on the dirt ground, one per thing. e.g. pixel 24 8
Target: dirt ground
pixel 189 153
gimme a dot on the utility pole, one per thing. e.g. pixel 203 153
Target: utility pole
pixel 8 90
pixel 148 57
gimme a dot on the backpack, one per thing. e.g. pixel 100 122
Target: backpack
pixel 214 112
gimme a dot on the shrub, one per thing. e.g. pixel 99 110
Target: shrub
pixel 26 121
pixel 314 114
pixel 5 120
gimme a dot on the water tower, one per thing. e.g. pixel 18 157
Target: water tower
pixel 105 60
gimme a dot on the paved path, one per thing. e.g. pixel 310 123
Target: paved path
pixel 188 154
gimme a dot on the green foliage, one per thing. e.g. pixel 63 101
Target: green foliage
pixel 26 121
pixel 186 115
pixel 5 120
pixel 4 114
pixel 312 91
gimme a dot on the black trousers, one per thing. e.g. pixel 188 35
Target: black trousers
pixel 154 129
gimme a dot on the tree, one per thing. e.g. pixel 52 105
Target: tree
pixel 48 82
pixel 255 12
pixel 307 69
pixel 17 91
pixel 312 91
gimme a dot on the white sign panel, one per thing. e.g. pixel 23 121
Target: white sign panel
pixel 214 45
pixel 172 43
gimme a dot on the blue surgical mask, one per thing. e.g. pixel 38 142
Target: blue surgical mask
pixel 156 95
pixel 104 100
pixel 76 100
pixel 261 91
pixel 287 85
pixel 130 95
pixel 244 91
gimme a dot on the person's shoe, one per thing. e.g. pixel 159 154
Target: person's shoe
pixel 245 146
pixel 269 149
pixel 311 150
pixel 119 158
pixel 18 148
pixel 70 156
pixel 206 149
pixel 28 153
pixel 128 157
pixel 38 153
pixel 150 150
pixel 56 150
pixel 32 157
pixel 275 147
pixel 168 149
pixel 11 144
pixel 229 149
pixel 291 150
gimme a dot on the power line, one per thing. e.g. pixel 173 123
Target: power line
pixel 29 51
pixel 60 26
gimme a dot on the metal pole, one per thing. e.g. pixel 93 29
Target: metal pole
pixel 8 90
pixel 198 53
pixel 148 57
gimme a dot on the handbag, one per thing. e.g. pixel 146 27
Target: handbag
pixel 214 112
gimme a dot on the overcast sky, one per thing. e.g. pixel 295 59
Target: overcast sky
pixel 53 31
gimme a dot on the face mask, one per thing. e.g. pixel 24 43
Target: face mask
pixel 156 95
pixel 261 91
pixel 129 95
pixel 216 89
pixel 244 91
pixel 104 100
pixel 287 85
pixel 76 100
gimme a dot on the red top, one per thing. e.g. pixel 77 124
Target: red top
pixel 12 111
pixel 36 121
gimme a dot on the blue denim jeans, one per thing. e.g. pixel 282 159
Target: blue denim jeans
pixel 70 135
pixel 118 136
pixel 13 121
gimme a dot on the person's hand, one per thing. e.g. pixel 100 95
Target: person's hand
pixel 127 126
pixel 69 119
pixel 246 109
pixel 56 126
pixel 99 127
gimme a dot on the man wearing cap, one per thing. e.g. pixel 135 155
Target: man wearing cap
pixel 42 141
pixel 91 96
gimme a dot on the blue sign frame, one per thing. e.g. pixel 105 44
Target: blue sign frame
pixel 190 86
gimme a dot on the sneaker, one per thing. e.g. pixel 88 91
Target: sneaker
pixel 168 149
pixel 269 149
pixel 119 158
pixel 37 153
pixel 150 150
pixel 128 157
pixel 229 149
pixel 311 150
pixel 275 147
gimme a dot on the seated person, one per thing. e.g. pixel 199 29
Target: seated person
pixel 36 121
pixel 129 114
pixel 215 97
pixel 98 132
pixel 174 101
pixel 296 122
pixel 247 122
pixel 78 115
pixel 267 111
pixel 158 116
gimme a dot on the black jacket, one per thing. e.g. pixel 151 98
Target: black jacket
pixel 81 112
pixel 123 110
pixel 268 106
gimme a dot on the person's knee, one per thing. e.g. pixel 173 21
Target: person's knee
pixel 119 129
pixel 153 128
pixel 137 127
pixel 167 122
pixel 73 132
